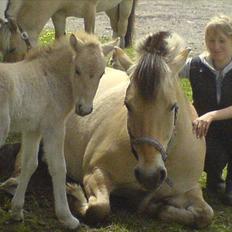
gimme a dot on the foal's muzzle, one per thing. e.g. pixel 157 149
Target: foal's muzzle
pixel 83 111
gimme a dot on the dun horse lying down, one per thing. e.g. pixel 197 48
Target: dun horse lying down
pixel 36 97
pixel 149 116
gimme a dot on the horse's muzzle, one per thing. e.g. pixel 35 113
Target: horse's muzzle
pixel 149 180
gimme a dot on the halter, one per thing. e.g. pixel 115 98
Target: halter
pixel 24 37
pixel 154 142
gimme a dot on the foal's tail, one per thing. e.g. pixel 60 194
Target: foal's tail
pixel 130 27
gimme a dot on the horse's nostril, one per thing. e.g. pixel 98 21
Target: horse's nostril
pixel 162 175
pixel 79 107
pixel 136 172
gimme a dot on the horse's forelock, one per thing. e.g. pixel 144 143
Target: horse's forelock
pixel 148 75
pixel 154 43
pixel 151 66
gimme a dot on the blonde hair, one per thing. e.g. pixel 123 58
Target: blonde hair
pixel 221 23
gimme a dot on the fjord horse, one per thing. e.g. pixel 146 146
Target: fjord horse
pixel 149 116
pixel 36 96
pixel 26 18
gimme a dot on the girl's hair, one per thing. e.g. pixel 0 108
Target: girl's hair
pixel 221 23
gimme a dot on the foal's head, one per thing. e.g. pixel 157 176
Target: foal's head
pixel 12 45
pixel 152 101
pixel 89 64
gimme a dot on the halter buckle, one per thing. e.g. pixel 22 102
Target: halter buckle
pixel 24 35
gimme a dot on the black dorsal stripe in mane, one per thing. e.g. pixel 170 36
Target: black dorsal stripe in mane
pixel 149 70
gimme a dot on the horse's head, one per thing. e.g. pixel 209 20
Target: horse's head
pixel 89 63
pixel 152 103
pixel 12 43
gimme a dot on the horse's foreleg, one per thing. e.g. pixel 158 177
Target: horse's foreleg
pixel 89 19
pixel 188 209
pixel 30 148
pixel 58 20
pixel 53 144
pixel 125 8
pixel 97 187
pixel 113 16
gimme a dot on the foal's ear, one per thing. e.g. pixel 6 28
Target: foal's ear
pixel 12 25
pixel 178 62
pixel 108 47
pixel 76 43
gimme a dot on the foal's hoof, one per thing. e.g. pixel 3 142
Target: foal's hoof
pixel 17 215
pixel 71 223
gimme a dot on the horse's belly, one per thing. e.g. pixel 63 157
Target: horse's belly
pixel 104 5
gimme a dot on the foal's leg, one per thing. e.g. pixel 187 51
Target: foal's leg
pixel 4 119
pixel 30 148
pixel 58 20
pixel 189 209
pixel 53 144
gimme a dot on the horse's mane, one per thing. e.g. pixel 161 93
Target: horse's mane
pixel 154 53
pixel 45 51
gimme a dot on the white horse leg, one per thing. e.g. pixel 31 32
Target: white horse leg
pixel 53 144
pixel 4 119
pixel 30 148
pixel 89 19
pixel 58 20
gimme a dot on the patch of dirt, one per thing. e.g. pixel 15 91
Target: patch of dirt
pixel 186 17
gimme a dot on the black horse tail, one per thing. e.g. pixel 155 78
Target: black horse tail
pixel 130 27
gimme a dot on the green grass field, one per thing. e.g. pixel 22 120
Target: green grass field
pixel 40 216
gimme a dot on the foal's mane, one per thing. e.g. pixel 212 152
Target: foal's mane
pixel 154 53
pixel 63 43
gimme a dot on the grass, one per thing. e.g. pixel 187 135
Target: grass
pixel 39 209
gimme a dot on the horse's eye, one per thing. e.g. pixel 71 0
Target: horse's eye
pixel 127 106
pixel 78 72
pixel 11 50
pixel 174 107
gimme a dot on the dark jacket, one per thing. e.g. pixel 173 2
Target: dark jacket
pixel 203 82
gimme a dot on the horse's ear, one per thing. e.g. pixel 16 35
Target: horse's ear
pixel 108 47
pixel 76 43
pixel 178 62
pixel 12 25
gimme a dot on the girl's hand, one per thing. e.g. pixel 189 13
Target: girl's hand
pixel 201 124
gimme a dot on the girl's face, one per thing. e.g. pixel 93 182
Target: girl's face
pixel 219 46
